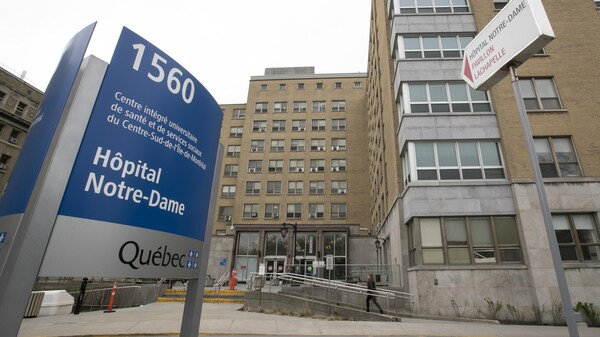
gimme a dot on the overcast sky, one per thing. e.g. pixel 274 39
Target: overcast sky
pixel 221 42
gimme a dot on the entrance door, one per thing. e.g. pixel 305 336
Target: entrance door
pixel 304 265
pixel 274 265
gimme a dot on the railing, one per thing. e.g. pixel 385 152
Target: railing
pixel 350 294
pixel 222 280
pixel 96 297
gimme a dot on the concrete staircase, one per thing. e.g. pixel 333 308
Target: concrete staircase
pixel 210 296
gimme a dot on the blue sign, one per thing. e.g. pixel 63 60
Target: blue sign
pixel 222 262
pixel 26 170
pixel 149 152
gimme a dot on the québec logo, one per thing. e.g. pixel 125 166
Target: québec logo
pixel 135 257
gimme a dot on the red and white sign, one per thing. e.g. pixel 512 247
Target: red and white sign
pixel 519 30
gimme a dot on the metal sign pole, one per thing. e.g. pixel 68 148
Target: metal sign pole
pixel 539 184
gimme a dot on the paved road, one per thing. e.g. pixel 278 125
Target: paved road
pixel 164 319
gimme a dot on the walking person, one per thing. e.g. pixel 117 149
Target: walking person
pixel 370 297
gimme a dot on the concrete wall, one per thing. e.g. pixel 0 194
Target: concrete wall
pixel 221 247
pixel 468 288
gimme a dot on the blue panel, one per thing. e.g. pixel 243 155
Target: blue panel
pixel 148 155
pixel 28 166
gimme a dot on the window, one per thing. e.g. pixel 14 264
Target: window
pixel 239 114
pixel 597 2
pixel 257 145
pixel 294 211
pixel 234 150
pixel 433 6
pixel 225 213
pixel 540 94
pixel 299 125
pixel 259 126
pixel 277 145
pixel 261 107
pixel 444 97
pixel 339 211
pixel 338 144
pixel 300 86
pixel 556 157
pixel 282 86
pixel 432 46
pixel 250 211
pixel 263 87
pixel 319 106
pixel 297 145
pixel 338 105
pixel 273 187
pixel 14 136
pixel 20 110
pixel 318 125
pixel 295 187
pixel 276 165
pixel 296 165
pixel 465 240
pixel 236 132
pixel 499 4
pixel 319 85
pixel 2 95
pixel 357 85
pixel 278 126
pixel 317 144
pixel 338 124
pixel 253 187
pixel 338 85
pixel 271 211
pixel 339 187
pixel 334 243
pixel 461 160
pixel 4 161
pixel 280 107
pixel 300 106
pixel 231 170
pixel 316 211
pixel 577 236
pixel 338 165
pixel 255 166
pixel 228 191
pixel 317 165
pixel 316 187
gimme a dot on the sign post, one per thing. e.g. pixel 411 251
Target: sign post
pixel 517 32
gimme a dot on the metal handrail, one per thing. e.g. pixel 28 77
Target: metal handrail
pixel 222 279
pixel 336 284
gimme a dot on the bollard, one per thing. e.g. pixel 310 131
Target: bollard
pixel 112 298
pixel 233 279
pixel 79 301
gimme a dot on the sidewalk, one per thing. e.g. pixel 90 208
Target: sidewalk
pixel 165 319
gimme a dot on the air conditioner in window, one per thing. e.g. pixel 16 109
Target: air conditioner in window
pixel 254 215
pixel 321 148
pixel 342 191
pixel 299 169
pixel 302 129
pixel 13 140
pixel 276 215
pixel 313 169
pixel 252 170
pixel 262 129
pixel 335 169
pixel 253 148
pixel 335 148
pixel 2 166
pixel 312 215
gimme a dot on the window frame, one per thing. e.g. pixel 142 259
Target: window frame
pixel 534 84
pixel 422 52
pixel 474 106
pixel 414 10
pixel 555 158
pixel 576 243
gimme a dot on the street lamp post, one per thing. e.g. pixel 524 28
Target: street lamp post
pixel 284 232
